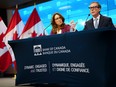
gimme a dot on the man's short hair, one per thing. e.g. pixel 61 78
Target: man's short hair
pixel 99 6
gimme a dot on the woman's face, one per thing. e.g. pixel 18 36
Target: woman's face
pixel 58 20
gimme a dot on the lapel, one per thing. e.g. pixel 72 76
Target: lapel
pixel 92 25
pixel 100 21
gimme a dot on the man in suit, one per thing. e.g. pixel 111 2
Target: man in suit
pixel 98 20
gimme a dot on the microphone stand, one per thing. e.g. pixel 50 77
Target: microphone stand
pixel 45 29
pixel 87 18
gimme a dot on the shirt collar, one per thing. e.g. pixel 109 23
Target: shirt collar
pixel 98 17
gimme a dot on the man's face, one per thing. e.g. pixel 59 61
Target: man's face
pixel 94 9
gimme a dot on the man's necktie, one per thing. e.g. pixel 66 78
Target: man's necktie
pixel 96 23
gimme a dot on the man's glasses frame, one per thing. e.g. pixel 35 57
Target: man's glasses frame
pixel 93 7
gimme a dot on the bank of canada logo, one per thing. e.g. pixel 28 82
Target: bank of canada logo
pixel 37 50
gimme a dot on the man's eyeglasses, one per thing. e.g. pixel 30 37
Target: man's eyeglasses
pixel 93 7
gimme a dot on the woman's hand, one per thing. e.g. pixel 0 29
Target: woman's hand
pixel 73 25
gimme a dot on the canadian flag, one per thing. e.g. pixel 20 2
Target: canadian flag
pixel 13 32
pixel 5 57
pixel 34 26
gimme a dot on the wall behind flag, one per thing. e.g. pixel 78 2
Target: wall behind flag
pixel 76 10
pixel 3 15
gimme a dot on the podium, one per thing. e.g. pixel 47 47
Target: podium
pixel 77 59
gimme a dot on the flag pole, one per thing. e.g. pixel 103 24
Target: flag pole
pixel 16 6
pixel 14 69
pixel 34 5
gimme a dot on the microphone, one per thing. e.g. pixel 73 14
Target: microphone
pixel 87 19
pixel 45 29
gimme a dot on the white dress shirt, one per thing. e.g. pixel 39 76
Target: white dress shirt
pixel 94 19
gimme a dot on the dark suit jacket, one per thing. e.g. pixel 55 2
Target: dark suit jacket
pixel 104 22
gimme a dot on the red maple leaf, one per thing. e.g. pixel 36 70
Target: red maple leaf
pixel 15 36
pixel 41 34
pixel 2 44
pixel 34 34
